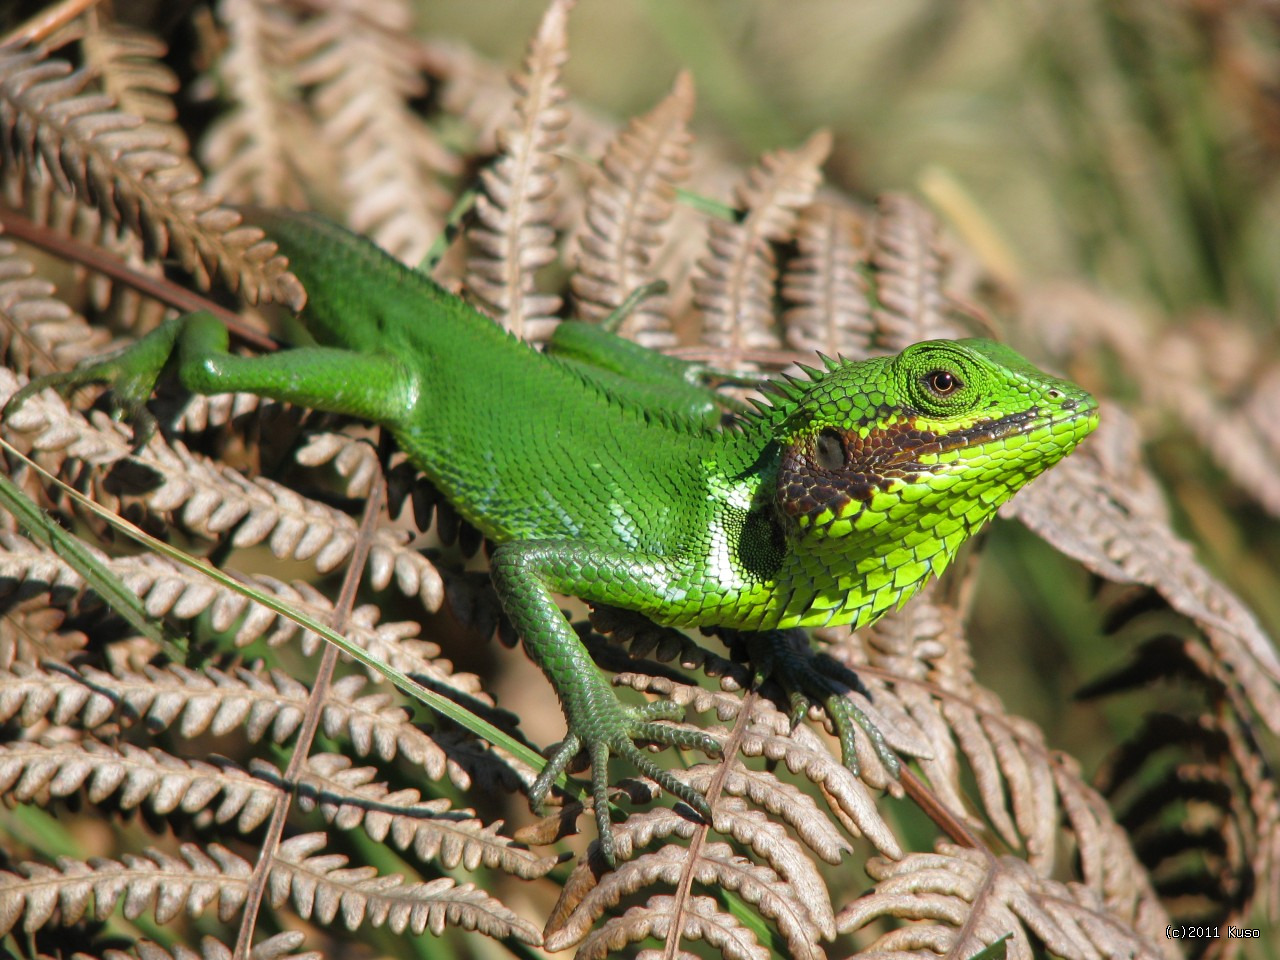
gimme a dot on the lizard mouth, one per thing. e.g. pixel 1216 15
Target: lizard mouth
pixel 1015 424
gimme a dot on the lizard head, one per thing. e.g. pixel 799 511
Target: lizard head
pixel 922 447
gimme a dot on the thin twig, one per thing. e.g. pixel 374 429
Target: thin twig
pixel 729 752
pixel 937 811
pixel 97 259
pixel 47 22
pixel 311 720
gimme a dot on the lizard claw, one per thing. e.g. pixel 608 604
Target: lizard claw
pixel 807 678
pixel 624 726
pixel 130 389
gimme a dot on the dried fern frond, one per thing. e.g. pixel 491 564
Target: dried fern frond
pixel 435 830
pixel 1033 798
pixel 41 772
pixel 316 885
pixel 254 150
pixel 1210 375
pixel 167 589
pixel 128 64
pixel 320 885
pixel 1207 758
pixel 697 918
pixel 957 901
pixel 908 276
pixel 513 235
pixel 360 64
pixel 43 203
pixel 627 209
pixel 38 332
pixel 824 286
pixel 254 704
pixel 709 864
pixel 770 733
pixel 733 288
pixel 52 124
pixel 35 630
pixel 1114 534
pixel 213 499
pixel 281 946
pixel 155 881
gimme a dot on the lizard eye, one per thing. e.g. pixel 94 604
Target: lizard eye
pixel 942 383
pixel 829 453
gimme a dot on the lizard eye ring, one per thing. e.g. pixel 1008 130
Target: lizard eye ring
pixel 829 452
pixel 942 383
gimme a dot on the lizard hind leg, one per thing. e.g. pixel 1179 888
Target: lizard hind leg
pixel 374 387
pixel 525 573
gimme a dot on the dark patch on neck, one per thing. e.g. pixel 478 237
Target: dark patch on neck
pixel 762 544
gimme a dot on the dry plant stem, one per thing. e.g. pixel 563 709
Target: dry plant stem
pixel 732 746
pixel 99 260
pixel 924 798
pixel 311 720
pixel 47 22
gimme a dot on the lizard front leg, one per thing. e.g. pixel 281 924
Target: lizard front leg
pixel 807 677
pixel 525 573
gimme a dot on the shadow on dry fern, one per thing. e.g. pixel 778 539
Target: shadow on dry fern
pixel 138 790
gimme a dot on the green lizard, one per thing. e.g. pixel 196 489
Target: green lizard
pixel 598 470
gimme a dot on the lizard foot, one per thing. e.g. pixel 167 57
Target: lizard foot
pixel 608 728
pixel 129 373
pixel 808 678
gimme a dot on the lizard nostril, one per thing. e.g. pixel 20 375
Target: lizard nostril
pixel 1055 394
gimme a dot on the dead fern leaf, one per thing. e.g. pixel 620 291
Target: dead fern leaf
pixel 256 705
pixel 734 285
pixel 698 918
pixel 128 63
pixel 254 148
pixel 783 800
pixel 1218 867
pixel 770 733
pixel 627 208
pixel 322 886
pixel 41 772
pixel 212 499
pixel 53 125
pixel 717 866
pixel 40 895
pixel 43 203
pixel 170 590
pixel 347 797
pixel 38 332
pixel 957 901
pixel 908 276
pixel 1088 514
pixel 360 63
pixel 1211 374
pixel 825 286
pixel 281 946
pixel 513 235
pixel 315 884
pixel 34 630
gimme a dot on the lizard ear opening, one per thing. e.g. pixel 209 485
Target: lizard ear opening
pixel 829 451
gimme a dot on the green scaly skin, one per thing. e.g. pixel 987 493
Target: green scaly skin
pixel 831 505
